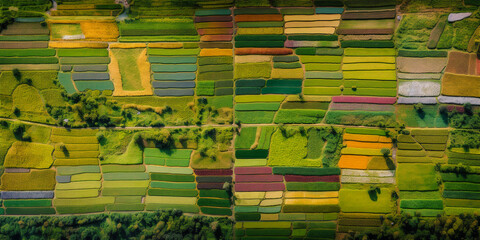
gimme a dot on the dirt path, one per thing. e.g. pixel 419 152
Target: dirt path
pixel 207 125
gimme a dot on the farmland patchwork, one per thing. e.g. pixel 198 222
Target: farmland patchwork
pixel 291 119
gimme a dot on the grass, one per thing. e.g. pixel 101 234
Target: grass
pixel 119 147
pixel 414 30
pixel 259 98
pixel 365 201
pixel 158 27
pixel 246 138
pixel 257 106
pixel 252 70
pixel 446 39
pixel 132 155
pixel 421 177
pixel 53 97
pixel 60 30
pixel 464 30
pixel 265 137
pixel 358 118
pixel 288 151
pixel 367 24
pixel 27 52
pixel 222 160
pixel 181 112
pixel 255 116
pixel 221 101
pixel 83 52
pixel 29 155
pixel 28 100
pixel 35 180
pixel 127 63
pixel 304 116
pixel 428 118
pixel 315 144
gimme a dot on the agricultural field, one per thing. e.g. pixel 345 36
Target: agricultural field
pixel 223 119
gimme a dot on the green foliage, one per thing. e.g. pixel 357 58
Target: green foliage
pixel 19 131
pixel 446 38
pixel 161 138
pixel 90 108
pixel 357 118
pixel 17 74
pixel 140 225
pixel 414 30
pixel 418 107
pixel 463 120
pixel 464 30
pixel 385 152
pixel 406 226
pixel 464 138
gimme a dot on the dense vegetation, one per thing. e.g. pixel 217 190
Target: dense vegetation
pixel 405 226
pixel 157 225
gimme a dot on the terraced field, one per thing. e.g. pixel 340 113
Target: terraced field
pixel 265 119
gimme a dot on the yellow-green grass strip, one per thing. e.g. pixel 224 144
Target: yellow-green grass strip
pixel 125 176
pixel 67 170
pixel 86 177
pixel 78 185
pixel 76 154
pixel 369 52
pixel 171 200
pixel 126 184
pixel 367 66
pixel 173 185
pixel 77 147
pixel 369 60
pixel 171 170
pixel 82 193
pixel 361 151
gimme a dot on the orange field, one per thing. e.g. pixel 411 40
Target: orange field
pixel 354 161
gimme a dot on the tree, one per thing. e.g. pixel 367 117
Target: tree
pixel 418 107
pixel 17 74
pixel 16 111
pixel 385 152
pixel 468 108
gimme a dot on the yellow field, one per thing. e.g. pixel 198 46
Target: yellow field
pixel 301 194
pixel 366 138
pixel 100 31
pixel 460 85
pixel 65 44
pixel 305 201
